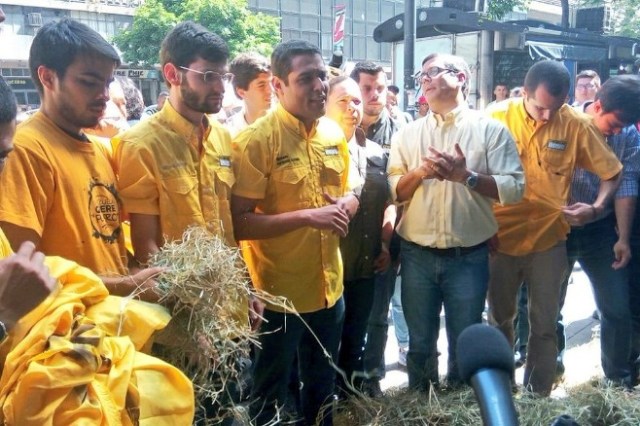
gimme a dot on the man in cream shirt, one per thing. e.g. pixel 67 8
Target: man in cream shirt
pixel 448 170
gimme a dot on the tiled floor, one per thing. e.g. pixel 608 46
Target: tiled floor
pixel 582 357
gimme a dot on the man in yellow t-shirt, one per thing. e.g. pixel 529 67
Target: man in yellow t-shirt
pixel 59 189
pixel 552 140
pixel 289 205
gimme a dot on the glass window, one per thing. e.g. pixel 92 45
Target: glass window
pixel 373 9
pixel 290 20
pixel 290 35
pixel 309 6
pixel 387 10
pixel 309 22
pixel 327 7
pixel 385 52
pixel 359 48
pixel 33 98
pixel 327 25
pixel 311 37
pixel 290 6
pixel 373 49
pixel 358 29
pixel 358 10
pixel 268 4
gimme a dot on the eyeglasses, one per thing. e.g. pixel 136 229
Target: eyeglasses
pixel 432 72
pixel 586 86
pixel 212 76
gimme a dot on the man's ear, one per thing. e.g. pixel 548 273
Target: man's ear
pixel 240 93
pixel 277 85
pixel 47 77
pixel 597 106
pixel 171 74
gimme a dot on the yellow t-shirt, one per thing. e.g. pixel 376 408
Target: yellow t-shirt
pixel 162 172
pixel 549 153
pixel 64 190
pixel 278 163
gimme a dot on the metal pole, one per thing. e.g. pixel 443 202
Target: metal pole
pixel 409 44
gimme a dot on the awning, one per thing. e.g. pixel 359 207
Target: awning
pixel 543 50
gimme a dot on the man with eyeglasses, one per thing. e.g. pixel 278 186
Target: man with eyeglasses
pixel 553 140
pixel 587 84
pixel 448 169
pixel 175 168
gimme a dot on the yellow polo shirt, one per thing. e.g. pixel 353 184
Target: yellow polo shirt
pixel 549 153
pixel 163 172
pixel 64 189
pixel 278 163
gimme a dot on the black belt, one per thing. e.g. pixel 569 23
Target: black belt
pixel 453 251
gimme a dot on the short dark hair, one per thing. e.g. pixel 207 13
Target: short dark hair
pixel 456 63
pixel 393 89
pixel 8 103
pixel 366 67
pixel 621 95
pixel 188 41
pixel 283 55
pixel 58 44
pixel 553 75
pixel 246 67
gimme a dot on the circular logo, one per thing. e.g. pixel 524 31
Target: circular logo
pixel 104 211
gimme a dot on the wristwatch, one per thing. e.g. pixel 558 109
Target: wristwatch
pixel 472 180
pixel 3 332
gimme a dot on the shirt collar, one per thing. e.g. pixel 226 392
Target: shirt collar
pixel 452 116
pixel 182 126
pixel 292 123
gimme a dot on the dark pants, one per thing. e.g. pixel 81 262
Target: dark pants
pixel 358 298
pixel 634 294
pixel 378 324
pixel 281 337
pixel 592 246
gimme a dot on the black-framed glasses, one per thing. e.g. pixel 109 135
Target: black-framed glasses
pixel 432 72
pixel 210 77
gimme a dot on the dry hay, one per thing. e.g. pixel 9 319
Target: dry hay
pixel 590 404
pixel 206 284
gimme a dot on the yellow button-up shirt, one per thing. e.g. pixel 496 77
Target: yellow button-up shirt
pixel 550 153
pixel 278 163
pixel 162 171
pixel 447 214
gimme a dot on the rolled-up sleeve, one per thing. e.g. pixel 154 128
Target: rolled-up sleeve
pixel 505 166
pixel 397 166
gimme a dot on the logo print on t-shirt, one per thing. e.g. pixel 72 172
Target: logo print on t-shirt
pixel 104 211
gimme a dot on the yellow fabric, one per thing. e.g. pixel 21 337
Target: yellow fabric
pixel 64 190
pixel 278 163
pixel 66 366
pixel 549 153
pixel 161 172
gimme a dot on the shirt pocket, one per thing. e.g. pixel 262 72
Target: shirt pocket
pixel 555 161
pixel 181 195
pixel 225 180
pixel 289 187
pixel 332 174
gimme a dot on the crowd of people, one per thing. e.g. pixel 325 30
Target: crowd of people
pixel 339 202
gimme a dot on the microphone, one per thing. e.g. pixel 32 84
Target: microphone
pixel 485 360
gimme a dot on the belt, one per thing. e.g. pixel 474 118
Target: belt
pixel 453 251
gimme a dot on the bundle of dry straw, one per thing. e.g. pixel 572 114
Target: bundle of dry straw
pixel 590 404
pixel 207 286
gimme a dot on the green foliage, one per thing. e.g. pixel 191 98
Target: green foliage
pixel 242 29
pixel 496 9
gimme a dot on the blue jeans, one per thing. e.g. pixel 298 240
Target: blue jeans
pixel 592 246
pixel 281 337
pixel 430 280
pixel 378 324
pixel 397 315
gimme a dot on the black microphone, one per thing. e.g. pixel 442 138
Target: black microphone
pixel 485 360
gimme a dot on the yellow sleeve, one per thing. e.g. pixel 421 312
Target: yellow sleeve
pixel 595 155
pixel 137 185
pixel 28 185
pixel 252 162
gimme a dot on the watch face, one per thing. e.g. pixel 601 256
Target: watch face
pixel 472 180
